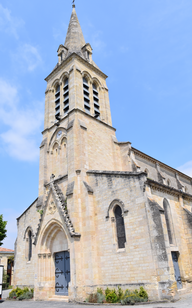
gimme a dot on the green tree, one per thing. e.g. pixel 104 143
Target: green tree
pixel 3 230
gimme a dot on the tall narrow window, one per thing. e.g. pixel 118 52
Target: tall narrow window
pixel 96 101
pixel 169 222
pixel 30 245
pixel 86 95
pixel 66 95
pixel 120 227
pixel 57 101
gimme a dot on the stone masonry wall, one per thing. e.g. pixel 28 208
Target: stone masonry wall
pixel 24 269
pixel 134 265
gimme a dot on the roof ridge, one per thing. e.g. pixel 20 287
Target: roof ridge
pixel 6 249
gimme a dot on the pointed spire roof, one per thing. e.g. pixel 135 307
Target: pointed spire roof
pixel 74 40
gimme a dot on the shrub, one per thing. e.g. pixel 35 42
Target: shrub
pixel 111 296
pixel 132 297
pixel 12 294
pixel 21 294
pixel 143 293
pixel 119 293
pixel 99 290
pixel 92 298
pixel 107 291
pixel 26 295
pixel 19 291
pixel 100 298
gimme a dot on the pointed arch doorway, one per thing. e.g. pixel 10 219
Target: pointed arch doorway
pixel 54 260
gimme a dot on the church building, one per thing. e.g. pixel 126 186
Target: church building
pixel 107 214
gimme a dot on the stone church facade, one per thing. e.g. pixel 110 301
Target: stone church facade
pixel 107 215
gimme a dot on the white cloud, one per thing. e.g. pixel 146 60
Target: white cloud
pixel 23 124
pixel 27 57
pixel 186 168
pixel 8 23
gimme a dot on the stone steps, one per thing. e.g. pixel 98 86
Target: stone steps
pixel 59 298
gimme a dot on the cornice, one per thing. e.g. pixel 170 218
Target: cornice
pixel 56 180
pixel 73 111
pixel 153 160
pixel 167 189
pixel 68 59
pixel 125 173
pixel 123 143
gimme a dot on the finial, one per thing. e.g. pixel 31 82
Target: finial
pixel 73 3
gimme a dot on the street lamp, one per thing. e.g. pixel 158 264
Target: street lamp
pixel 1 280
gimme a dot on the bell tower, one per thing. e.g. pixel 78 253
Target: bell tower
pixel 76 82
pixel 78 132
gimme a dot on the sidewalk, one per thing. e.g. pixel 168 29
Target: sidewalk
pixel 184 302
pixel 6 293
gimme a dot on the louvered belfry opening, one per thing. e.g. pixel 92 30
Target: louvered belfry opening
pixel 96 101
pixel 120 227
pixel 66 95
pixel 57 101
pixel 86 95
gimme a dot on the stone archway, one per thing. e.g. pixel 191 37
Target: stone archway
pixel 52 240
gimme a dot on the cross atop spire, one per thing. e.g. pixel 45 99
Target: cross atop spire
pixel 74 40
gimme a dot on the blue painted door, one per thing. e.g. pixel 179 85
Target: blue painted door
pixel 176 269
pixel 62 272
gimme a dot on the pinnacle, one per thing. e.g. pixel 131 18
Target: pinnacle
pixel 74 40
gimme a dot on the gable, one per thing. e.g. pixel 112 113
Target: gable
pixel 55 206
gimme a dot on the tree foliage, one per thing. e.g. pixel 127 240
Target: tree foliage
pixel 3 230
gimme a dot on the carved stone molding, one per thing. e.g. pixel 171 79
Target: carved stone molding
pixel 117 202
pixel 52 207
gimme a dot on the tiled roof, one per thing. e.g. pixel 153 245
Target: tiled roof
pixel 5 250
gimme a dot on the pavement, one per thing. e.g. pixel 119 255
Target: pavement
pixel 184 302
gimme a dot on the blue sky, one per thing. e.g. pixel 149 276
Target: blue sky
pixel 145 48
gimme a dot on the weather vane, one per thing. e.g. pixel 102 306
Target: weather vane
pixel 73 1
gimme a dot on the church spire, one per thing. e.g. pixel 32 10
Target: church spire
pixel 74 40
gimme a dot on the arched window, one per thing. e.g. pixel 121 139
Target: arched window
pixel 120 227
pixel 66 95
pixel 168 182
pixel 169 222
pixel 86 95
pixel 30 245
pixel 57 101
pixel 146 171
pixel 96 101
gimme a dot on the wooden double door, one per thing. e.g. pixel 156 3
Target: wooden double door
pixel 62 272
